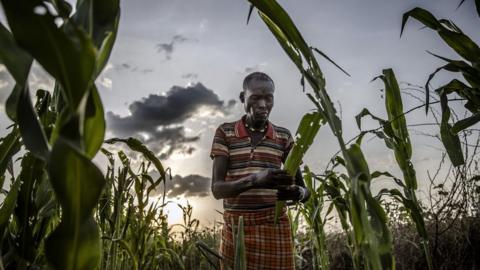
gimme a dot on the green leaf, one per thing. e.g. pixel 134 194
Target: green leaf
pixel 74 248
pixel 465 123
pixel 366 112
pixel 330 60
pixel 458 87
pixel 16 60
pixel 8 205
pixel 394 106
pixel 127 247
pixel 208 252
pixel 106 49
pixel 100 19
pixel 377 174
pixel 9 146
pixel 423 16
pixel 462 44
pixel 282 39
pixel 66 52
pixel 138 146
pixel 240 254
pixel 78 183
pixel 469 73
pixel 44 198
pixel 370 229
pixel 62 7
pixel 306 132
pixel 18 63
pixel 458 41
pixel 19 106
pixel 32 170
pixel 384 245
pixel 358 163
pixel 250 10
pixel 94 123
pixel 449 139
pixel 278 16
pixel 33 135
pixel 477 5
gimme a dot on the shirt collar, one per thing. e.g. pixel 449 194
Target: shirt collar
pixel 241 130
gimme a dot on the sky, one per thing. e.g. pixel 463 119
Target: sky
pixel 177 69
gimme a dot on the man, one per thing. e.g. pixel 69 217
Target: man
pixel 247 157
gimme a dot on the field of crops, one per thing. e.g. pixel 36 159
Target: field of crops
pixel 60 211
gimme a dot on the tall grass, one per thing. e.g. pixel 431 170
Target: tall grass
pixel 136 234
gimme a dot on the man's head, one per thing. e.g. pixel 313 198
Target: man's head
pixel 257 96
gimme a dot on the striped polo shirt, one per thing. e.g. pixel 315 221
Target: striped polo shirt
pixel 233 141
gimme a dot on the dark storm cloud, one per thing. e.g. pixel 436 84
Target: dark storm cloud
pixel 189 186
pixel 168 140
pixel 169 48
pixel 177 105
pixel 158 118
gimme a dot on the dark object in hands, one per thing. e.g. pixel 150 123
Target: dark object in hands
pixel 272 179
pixel 293 193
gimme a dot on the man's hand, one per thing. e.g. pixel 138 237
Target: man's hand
pixel 272 179
pixel 293 193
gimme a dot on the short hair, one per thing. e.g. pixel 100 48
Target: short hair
pixel 256 76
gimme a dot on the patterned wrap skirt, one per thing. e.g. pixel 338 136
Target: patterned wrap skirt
pixel 267 245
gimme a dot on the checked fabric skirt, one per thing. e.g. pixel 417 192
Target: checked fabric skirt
pixel 267 246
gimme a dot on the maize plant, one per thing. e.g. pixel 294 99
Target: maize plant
pixel 305 134
pixel 65 131
pixel 395 134
pixel 127 216
pixel 372 241
pixel 312 212
pixel 469 67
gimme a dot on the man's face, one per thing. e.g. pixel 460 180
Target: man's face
pixel 259 100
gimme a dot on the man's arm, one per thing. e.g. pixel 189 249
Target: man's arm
pixel 222 189
pixel 269 179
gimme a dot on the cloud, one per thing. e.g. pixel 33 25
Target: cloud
pixel 193 185
pixel 192 76
pixel 38 79
pixel 258 67
pixel 132 68
pixel 158 119
pixel 147 70
pixel 169 48
pixel 167 140
pixel 5 84
pixel 105 82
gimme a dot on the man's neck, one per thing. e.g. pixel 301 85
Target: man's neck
pixel 257 125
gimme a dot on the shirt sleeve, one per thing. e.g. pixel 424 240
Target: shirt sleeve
pixel 219 144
